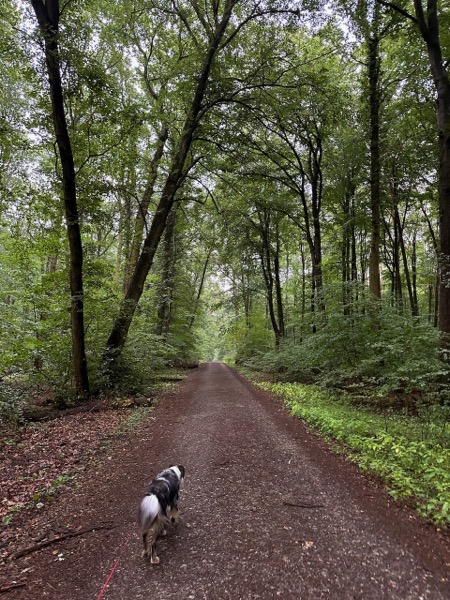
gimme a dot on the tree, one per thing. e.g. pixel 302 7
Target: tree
pixel 428 20
pixel 373 63
pixel 213 26
pixel 48 17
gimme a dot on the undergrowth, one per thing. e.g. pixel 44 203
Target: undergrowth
pixel 411 454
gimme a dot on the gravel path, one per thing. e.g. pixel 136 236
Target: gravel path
pixel 267 511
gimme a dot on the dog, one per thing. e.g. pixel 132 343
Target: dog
pixel 159 507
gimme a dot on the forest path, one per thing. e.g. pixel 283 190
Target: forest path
pixel 267 511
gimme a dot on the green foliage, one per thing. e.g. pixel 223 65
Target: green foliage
pixel 397 353
pixel 415 466
pixel 274 86
pixel 11 400
pixel 248 339
pixel 134 420
pixel 48 493
pixel 145 355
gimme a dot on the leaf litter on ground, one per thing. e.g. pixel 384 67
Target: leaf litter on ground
pixel 40 459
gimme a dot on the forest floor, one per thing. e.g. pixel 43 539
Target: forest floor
pixel 267 510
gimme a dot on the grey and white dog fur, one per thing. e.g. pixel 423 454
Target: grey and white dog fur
pixel 159 507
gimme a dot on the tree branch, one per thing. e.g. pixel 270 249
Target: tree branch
pixel 398 9
pixel 66 536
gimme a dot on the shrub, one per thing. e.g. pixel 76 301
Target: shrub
pixel 400 353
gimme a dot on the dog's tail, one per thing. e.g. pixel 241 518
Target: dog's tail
pixel 149 510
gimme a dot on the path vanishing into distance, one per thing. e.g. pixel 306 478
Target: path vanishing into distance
pixel 267 511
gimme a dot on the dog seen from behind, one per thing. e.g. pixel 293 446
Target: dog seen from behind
pixel 159 507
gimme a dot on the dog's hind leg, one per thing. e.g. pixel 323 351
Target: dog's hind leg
pixel 174 514
pixel 144 539
pixel 173 510
pixel 154 559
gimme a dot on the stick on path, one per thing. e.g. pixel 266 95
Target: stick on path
pixel 267 511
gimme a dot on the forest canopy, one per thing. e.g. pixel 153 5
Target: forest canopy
pixel 260 181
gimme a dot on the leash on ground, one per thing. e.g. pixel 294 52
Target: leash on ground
pixel 116 564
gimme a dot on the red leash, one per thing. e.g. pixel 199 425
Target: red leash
pixel 116 564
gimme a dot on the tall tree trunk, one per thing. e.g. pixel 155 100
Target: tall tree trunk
pixel 397 242
pixel 354 253
pixel 345 255
pixel 410 283
pixel 428 22
pixel 415 302
pixel 375 196
pixel 278 290
pixel 246 294
pixel 433 311
pixel 314 143
pixel 348 252
pixel 312 175
pixel 48 18
pixel 303 294
pixel 266 266
pixel 177 172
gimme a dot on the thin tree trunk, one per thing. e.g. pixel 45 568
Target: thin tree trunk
pixel 166 293
pixel 247 298
pixel 415 302
pixel 303 296
pixel 266 265
pixel 48 18
pixel 200 290
pixel 278 290
pixel 398 238
pixel 345 255
pixel 348 252
pixel 375 196
pixel 354 253
pixel 314 143
pixel 410 284
pixel 177 172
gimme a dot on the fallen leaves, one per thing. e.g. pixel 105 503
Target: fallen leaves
pixel 43 457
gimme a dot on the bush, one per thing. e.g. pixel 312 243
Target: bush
pixel 11 400
pixel 399 353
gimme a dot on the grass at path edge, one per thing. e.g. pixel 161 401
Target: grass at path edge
pixel 410 454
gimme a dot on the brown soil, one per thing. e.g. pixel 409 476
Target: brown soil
pixel 267 511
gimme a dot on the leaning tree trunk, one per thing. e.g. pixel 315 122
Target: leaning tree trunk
pixel 177 172
pixel 200 290
pixel 48 18
pixel 142 210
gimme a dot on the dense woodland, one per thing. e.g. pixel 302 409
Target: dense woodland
pixel 260 181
